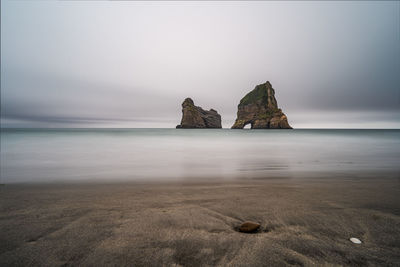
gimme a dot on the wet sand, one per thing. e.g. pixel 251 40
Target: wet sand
pixel 304 222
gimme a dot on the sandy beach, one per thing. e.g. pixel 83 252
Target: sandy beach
pixel 304 222
pixel 199 133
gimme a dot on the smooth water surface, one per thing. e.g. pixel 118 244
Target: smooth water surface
pixel 34 155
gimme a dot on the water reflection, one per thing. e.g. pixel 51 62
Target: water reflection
pixel 135 154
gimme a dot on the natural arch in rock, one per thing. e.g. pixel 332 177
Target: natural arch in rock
pixel 260 108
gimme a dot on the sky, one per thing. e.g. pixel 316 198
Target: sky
pixel 131 64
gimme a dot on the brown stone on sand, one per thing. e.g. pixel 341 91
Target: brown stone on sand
pixel 249 227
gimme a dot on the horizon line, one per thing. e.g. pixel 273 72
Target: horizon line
pixel 303 128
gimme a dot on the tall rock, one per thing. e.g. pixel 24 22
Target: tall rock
pixel 260 109
pixel 196 117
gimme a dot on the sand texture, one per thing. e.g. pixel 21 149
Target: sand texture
pixel 303 223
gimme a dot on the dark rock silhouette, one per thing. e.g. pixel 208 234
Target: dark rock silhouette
pixel 196 117
pixel 260 109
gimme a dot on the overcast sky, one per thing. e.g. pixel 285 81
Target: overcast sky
pixel 131 64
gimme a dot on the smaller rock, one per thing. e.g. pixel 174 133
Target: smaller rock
pixel 249 227
pixel 355 240
pixel 196 117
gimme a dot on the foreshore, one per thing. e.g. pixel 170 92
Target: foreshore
pixel 304 222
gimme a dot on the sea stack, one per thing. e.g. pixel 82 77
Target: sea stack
pixel 196 117
pixel 260 109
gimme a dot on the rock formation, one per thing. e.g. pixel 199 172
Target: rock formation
pixel 260 109
pixel 196 117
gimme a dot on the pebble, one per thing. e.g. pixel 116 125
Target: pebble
pixel 249 227
pixel 355 240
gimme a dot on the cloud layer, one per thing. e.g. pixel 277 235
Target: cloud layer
pixel 131 64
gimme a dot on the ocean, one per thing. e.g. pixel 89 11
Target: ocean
pixel 70 155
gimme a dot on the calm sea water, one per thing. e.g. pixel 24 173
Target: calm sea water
pixel 35 155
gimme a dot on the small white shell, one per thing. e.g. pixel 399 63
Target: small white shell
pixel 355 240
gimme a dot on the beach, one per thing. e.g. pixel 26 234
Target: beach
pixel 167 197
pixel 304 222
pixel 200 133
